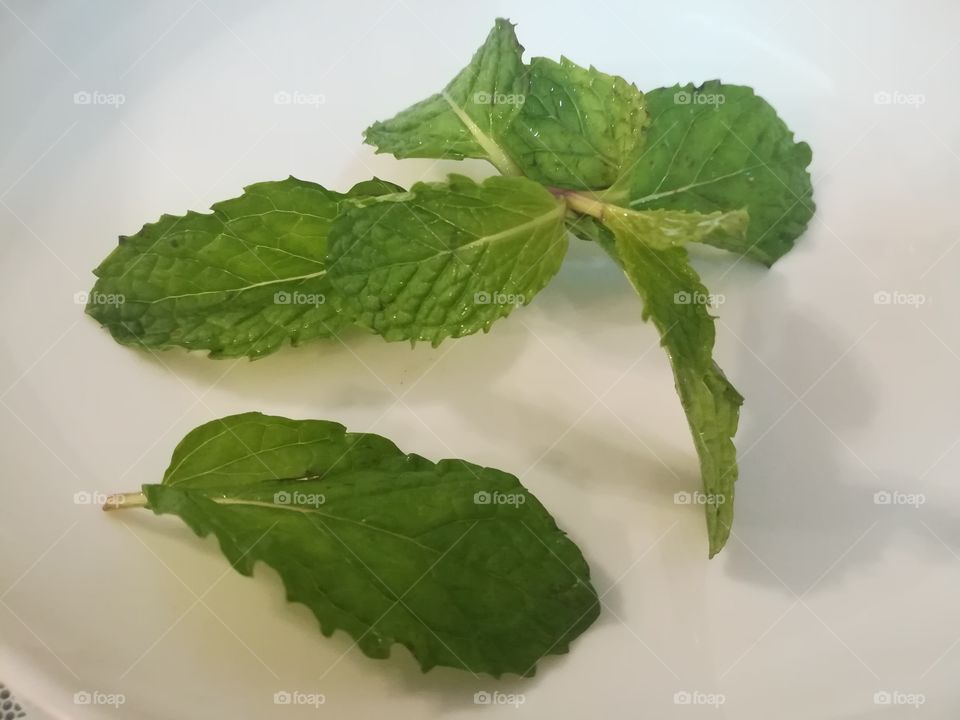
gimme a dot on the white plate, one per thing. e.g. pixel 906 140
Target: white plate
pixel 823 598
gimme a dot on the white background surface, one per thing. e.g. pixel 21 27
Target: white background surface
pixel 821 599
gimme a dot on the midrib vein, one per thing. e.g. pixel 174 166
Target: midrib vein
pixel 498 156
pixel 314 511
pixel 691 186
pixel 535 222
pixel 487 239
pixel 242 288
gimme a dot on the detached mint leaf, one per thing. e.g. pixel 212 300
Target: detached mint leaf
pixel 446 259
pixel 457 562
pixel 469 117
pixel 239 281
pixel 721 147
pixel 579 128
pixel 676 301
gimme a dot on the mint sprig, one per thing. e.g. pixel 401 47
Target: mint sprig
pixel 643 175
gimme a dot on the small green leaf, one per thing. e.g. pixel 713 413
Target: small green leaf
pixel 446 259
pixel 579 128
pixel 676 301
pixel 721 147
pixel 238 281
pixel 457 562
pixel 471 114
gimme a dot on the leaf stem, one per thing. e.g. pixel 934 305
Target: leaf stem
pixel 581 202
pixel 122 501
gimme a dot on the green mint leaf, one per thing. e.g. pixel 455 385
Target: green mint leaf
pixel 676 301
pixel 457 562
pixel 446 259
pixel 721 147
pixel 239 281
pixel 579 128
pixel 471 114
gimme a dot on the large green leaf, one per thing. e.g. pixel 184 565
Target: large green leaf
pixel 457 562
pixel 238 281
pixel 471 114
pixel 676 301
pixel 721 147
pixel 446 259
pixel 579 128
